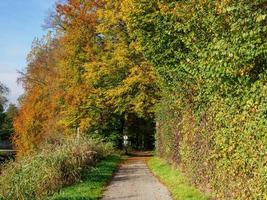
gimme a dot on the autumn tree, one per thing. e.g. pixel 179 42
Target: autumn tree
pixel 77 23
pixel 38 113
pixel 130 88
pixel 111 77
pixel 89 74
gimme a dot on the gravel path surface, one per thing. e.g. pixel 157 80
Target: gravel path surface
pixel 134 181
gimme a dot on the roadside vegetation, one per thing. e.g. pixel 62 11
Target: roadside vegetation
pixel 176 182
pixel 211 118
pixel 192 71
pixel 93 181
pixel 47 170
pixel 7 116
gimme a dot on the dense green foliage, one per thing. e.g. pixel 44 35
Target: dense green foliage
pixel 6 115
pixel 44 172
pixel 3 100
pixel 174 180
pixel 212 59
pixel 92 183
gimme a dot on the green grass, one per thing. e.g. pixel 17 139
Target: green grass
pixel 174 180
pixel 93 182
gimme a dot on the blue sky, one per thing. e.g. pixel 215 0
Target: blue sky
pixel 20 22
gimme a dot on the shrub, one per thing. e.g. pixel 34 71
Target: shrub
pixel 44 172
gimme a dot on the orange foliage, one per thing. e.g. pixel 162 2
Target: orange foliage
pixel 89 71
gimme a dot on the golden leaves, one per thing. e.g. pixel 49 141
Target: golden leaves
pixel 96 68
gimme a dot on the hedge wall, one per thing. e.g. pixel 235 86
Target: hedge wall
pixel 212 58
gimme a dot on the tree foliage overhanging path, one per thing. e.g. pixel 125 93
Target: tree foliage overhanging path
pixel 205 59
pixel 88 73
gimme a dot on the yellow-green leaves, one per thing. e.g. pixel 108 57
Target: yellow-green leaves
pixel 90 75
pixel 211 57
pixel 261 17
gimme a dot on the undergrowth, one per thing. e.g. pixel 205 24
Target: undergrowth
pixel 92 183
pixel 44 172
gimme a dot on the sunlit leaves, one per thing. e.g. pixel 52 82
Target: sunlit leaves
pixel 211 56
pixel 90 75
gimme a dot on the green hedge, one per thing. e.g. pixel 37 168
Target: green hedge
pixel 212 57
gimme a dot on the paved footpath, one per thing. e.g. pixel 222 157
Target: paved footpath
pixel 134 181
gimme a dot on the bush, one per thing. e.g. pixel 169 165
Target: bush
pixel 44 172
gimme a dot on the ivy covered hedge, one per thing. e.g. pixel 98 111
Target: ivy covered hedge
pixel 212 59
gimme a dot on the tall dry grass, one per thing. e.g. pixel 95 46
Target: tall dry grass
pixel 44 172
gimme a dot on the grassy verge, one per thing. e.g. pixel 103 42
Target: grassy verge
pixel 174 180
pixel 52 167
pixel 92 183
